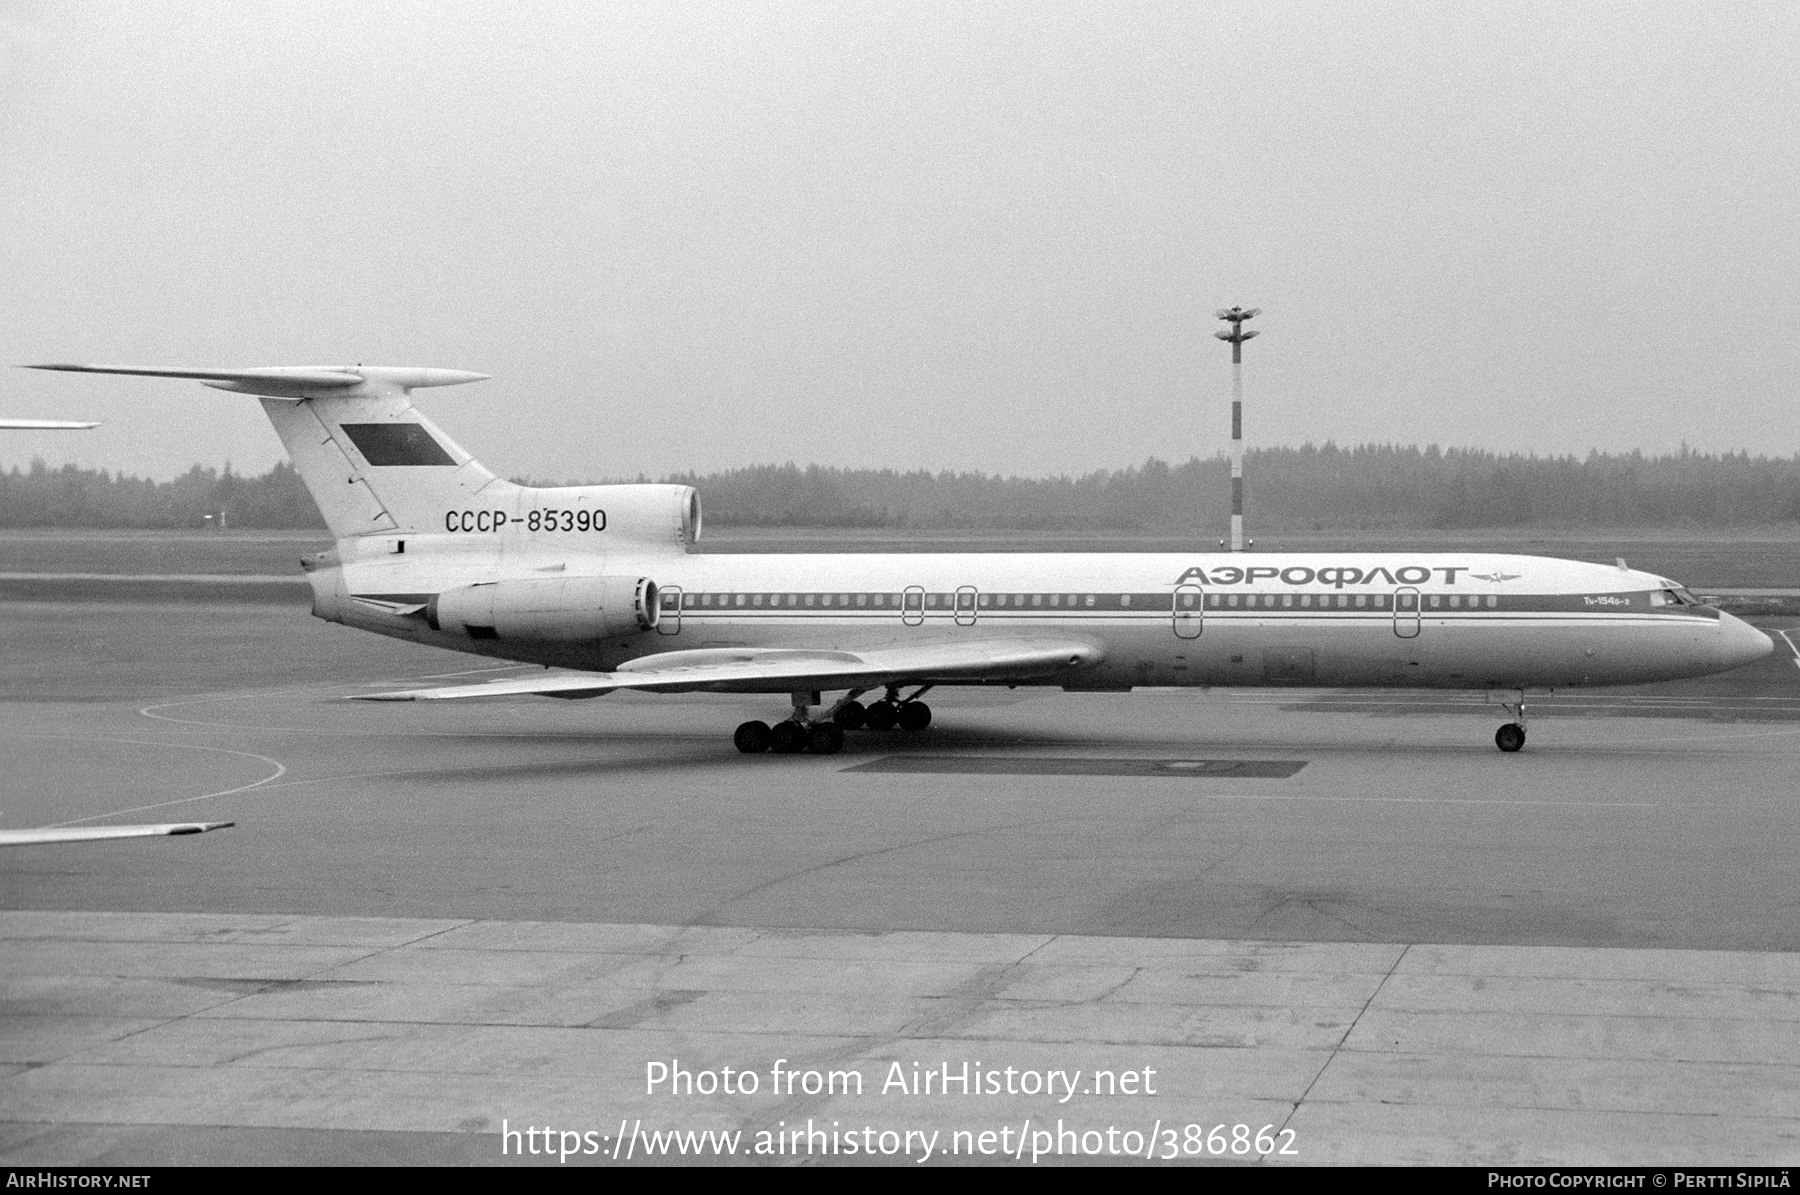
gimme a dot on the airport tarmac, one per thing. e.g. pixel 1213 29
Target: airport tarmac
pixel 1342 914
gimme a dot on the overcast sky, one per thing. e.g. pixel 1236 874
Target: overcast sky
pixel 943 235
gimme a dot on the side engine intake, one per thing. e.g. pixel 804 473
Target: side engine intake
pixel 547 609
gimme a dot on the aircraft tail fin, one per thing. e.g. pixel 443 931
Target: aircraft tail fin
pixel 372 462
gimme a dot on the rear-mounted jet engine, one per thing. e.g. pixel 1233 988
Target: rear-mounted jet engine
pixel 547 610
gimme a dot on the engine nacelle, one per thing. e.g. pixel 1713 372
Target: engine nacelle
pixel 547 609
pixel 654 513
pixel 661 515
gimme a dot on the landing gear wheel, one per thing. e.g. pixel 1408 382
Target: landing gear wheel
pixel 914 715
pixel 1510 737
pixel 881 715
pixel 825 738
pixel 753 738
pixel 787 738
pixel 851 715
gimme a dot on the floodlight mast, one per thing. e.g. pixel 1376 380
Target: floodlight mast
pixel 1236 316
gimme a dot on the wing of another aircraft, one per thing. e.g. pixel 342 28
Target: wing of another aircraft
pixel 45 425
pixel 95 833
pixel 775 670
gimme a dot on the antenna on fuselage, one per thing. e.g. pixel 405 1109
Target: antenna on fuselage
pixel 1236 316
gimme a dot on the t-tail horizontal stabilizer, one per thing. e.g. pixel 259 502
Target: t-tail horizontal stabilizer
pixel 297 381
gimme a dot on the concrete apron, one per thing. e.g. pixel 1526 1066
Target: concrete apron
pixel 145 1039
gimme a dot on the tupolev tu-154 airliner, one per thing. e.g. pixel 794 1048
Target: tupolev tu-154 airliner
pixel 599 582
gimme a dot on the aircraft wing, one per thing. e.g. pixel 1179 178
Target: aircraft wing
pixel 45 425
pixel 94 833
pixel 777 670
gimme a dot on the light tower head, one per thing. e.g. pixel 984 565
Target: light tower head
pixel 1236 316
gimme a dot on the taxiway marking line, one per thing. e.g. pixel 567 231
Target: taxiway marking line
pixel 278 773
pixel 1791 647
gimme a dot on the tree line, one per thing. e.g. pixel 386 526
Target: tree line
pixel 1373 486
pixel 73 497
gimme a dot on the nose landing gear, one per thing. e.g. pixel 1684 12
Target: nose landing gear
pixel 1512 736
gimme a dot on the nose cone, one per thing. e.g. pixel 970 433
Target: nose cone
pixel 1740 643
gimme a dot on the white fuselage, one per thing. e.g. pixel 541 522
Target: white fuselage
pixel 1334 619
pixel 433 546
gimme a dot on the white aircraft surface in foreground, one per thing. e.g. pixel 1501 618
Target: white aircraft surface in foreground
pixel 434 548
pixel 95 833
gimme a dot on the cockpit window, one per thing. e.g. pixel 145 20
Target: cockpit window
pixel 1674 596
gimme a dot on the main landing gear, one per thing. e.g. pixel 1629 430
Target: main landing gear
pixel 1512 736
pixel 825 735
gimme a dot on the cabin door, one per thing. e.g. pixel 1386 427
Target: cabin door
pixel 1406 612
pixel 965 606
pixel 1189 609
pixel 668 618
pixel 912 605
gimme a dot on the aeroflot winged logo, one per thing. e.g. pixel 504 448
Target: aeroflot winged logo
pixel 1495 577
pixel 1335 575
